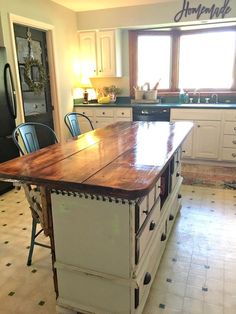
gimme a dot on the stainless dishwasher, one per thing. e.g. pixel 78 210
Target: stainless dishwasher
pixel 145 113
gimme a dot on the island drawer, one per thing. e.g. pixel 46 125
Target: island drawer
pixel 123 112
pixel 147 231
pixel 230 128
pixel 86 111
pixel 229 154
pixel 229 141
pixel 230 115
pixel 104 112
pixel 144 205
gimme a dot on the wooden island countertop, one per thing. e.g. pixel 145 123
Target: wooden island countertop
pixel 124 160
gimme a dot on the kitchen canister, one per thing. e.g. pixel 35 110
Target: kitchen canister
pixel 138 94
pixel 151 94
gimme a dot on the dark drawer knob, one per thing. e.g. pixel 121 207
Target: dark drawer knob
pixel 145 212
pixel 171 217
pixel 177 174
pixel 163 237
pixel 152 225
pixel 147 278
pixel 179 196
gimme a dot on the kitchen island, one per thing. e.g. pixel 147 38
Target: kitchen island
pixel 112 196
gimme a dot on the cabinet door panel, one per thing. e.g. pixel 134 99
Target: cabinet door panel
pixel 106 53
pixel 207 138
pixel 88 62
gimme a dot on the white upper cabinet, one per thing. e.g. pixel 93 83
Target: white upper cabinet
pixel 87 49
pixel 100 53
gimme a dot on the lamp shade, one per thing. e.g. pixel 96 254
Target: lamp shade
pixel 85 83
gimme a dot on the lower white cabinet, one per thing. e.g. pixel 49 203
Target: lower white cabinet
pixel 108 250
pixel 205 139
pixel 103 116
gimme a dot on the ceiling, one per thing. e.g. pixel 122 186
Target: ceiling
pixel 81 5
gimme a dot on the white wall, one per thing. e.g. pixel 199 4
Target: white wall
pixel 161 13
pixel 64 41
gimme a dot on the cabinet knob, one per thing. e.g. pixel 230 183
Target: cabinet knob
pixel 100 71
pixel 145 212
pixel 103 113
pixel 171 217
pixel 198 125
pixel 152 225
pixel 147 278
pixel 179 196
pixel 183 151
pixel 122 113
pixel 163 237
pixel 234 142
pixel 234 155
pixel 177 174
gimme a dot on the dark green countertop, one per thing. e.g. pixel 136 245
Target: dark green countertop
pixel 168 105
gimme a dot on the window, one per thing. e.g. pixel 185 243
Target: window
pixel 201 59
pixel 154 63
pixel 206 60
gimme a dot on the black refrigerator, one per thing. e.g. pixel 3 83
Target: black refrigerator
pixel 8 115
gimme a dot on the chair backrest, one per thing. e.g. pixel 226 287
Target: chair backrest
pixel 27 136
pixel 71 121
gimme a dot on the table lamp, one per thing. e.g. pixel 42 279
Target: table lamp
pixel 85 84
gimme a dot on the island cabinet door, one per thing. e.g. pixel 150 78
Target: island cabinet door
pixel 146 272
pixel 94 234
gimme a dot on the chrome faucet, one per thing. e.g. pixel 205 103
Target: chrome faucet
pixel 214 98
pixel 199 97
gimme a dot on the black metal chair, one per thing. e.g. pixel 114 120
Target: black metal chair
pixel 72 122
pixel 27 137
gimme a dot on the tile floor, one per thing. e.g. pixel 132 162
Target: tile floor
pixel 197 273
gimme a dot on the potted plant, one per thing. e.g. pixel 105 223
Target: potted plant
pixel 112 91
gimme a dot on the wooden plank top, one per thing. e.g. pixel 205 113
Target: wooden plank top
pixel 123 160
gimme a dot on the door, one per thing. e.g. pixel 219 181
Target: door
pixel 207 139
pixel 34 74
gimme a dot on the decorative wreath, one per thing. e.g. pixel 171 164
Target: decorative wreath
pixel 36 86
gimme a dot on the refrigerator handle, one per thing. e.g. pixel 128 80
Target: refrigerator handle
pixel 10 91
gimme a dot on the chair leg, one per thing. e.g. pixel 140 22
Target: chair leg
pixel 33 232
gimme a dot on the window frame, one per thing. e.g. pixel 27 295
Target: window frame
pixel 175 51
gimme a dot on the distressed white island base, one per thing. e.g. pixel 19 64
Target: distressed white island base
pixel 110 198
pixel 108 250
